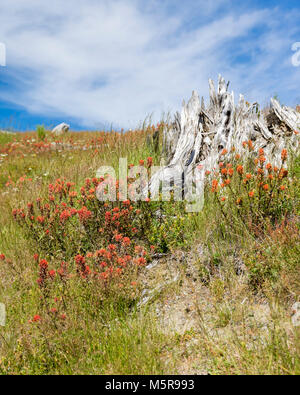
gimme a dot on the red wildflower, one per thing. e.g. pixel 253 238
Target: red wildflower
pixel 101 252
pixel 269 167
pixel 112 247
pixel 266 187
pixel 73 194
pixel 118 237
pixel 149 161
pixel 240 169
pixel 43 264
pixel 107 216
pixel 84 214
pixel 283 173
pixel 284 155
pixel 141 261
pixel 126 241
pixel 65 215
pixel 230 171
pixel 121 261
pixel 40 219
pixel 87 271
pixel 214 185
pixel 73 211
pixel 79 259
pixel 63 269
pixel 52 273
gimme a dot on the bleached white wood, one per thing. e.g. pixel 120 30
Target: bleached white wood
pixel 199 134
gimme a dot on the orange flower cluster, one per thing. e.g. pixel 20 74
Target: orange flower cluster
pixel 103 265
pixel 259 190
pixel 73 223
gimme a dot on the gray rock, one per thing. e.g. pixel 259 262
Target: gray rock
pixel 61 129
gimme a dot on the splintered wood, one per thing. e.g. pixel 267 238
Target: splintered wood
pixel 200 135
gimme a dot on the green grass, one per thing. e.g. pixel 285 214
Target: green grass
pixel 242 285
pixel 6 138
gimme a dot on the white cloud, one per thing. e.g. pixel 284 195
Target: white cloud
pixel 117 61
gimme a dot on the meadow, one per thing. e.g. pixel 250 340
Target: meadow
pixel 96 287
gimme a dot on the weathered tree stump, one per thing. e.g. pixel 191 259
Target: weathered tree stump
pixel 199 135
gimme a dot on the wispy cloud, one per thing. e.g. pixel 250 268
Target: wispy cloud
pixel 117 61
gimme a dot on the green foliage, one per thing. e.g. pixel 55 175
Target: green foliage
pixel 41 132
pixel 6 138
pixel 245 252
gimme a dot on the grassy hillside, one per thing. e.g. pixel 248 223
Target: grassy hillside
pixel 144 287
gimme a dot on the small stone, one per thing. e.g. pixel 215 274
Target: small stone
pixel 60 129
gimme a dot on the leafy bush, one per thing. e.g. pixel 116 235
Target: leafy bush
pixel 255 194
pixel 41 132
pixel 255 207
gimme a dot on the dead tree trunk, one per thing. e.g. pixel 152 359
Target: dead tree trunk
pixel 198 135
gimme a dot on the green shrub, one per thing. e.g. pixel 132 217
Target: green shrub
pixel 41 132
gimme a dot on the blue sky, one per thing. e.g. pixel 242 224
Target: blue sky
pixel 97 63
